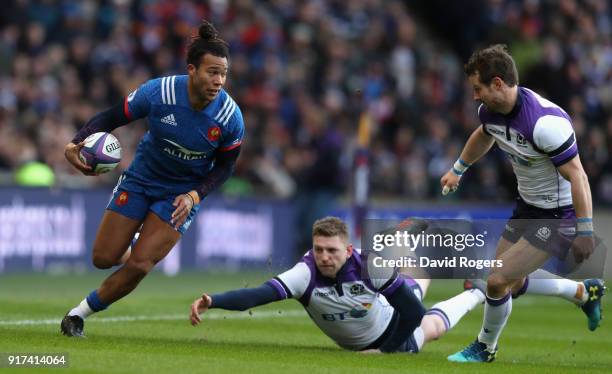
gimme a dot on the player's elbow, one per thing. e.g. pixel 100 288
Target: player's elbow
pixel 578 179
pixel 582 178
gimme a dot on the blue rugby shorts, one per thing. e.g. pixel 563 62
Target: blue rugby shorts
pixel 134 200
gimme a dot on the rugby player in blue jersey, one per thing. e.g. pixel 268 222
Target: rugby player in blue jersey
pixel 195 130
pixel 553 213
pixel 357 311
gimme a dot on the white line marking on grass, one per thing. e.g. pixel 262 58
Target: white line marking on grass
pixel 171 317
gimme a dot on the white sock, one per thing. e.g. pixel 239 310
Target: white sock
pixel 496 313
pixel 82 310
pixel 456 307
pixel 542 282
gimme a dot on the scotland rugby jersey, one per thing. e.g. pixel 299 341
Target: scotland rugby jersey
pixel 538 137
pixel 179 146
pixel 351 309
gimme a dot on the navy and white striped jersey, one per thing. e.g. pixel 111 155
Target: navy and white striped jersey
pixel 538 137
pixel 178 149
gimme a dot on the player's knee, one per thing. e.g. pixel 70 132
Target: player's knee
pixel 519 288
pixel 103 262
pixel 101 256
pixel 139 268
pixel 497 284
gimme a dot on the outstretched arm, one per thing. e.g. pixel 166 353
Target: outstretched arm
pixel 241 299
pixel 477 146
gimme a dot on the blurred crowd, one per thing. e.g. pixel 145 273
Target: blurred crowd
pixel 303 72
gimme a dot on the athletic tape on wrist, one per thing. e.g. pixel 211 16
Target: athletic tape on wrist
pixel 584 226
pixel 460 167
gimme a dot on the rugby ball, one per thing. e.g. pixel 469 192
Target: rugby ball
pixel 102 151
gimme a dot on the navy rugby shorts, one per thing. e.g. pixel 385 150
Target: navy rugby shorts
pixel 551 230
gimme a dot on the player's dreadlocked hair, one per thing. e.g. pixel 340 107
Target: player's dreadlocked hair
pixel 207 41
pixel 491 62
pixel 330 226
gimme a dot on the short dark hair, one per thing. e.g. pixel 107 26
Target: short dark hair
pixel 330 226
pixel 493 61
pixel 207 41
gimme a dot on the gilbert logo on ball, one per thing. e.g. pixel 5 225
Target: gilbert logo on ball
pixel 102 151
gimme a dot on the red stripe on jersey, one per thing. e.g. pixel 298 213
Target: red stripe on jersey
pixel 126 109
pixel 230 147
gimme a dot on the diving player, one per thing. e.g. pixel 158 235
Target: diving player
pixel 554 210
pixel 382 314
pixel 191 146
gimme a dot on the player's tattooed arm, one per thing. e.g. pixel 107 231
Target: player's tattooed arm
pixel 223 169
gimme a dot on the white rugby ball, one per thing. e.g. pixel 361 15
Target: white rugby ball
pixel 102 151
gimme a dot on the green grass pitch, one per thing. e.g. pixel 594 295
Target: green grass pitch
pixel 148 332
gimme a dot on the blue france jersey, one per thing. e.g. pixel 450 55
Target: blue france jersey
pixel 179 147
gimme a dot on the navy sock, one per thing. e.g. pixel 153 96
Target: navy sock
pixel 522 290
pixel 94 302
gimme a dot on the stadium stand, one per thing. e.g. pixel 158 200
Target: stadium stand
pixel 295 68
